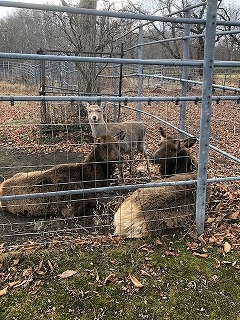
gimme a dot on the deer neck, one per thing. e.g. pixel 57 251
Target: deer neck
pixel 98 128
pixel 100 166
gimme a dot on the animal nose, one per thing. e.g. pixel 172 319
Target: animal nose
pixel 153 159
pixel 94 118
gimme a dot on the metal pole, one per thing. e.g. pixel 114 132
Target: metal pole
pixel 140 71
pixel 42 90
pixel 206 109
pixel 115 105
pixel 182 121
pixel 155 62
pixel 120 82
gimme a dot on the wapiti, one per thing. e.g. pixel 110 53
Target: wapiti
pixel 173 155
pixel 95 171
pixel 148 211
pixel 134 138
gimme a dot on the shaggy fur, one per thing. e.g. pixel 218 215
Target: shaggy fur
pixel 134 137
pixel 150 210
pixel 94 172
pixel 173 156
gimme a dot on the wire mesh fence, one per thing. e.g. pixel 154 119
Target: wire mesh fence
pixel 66 184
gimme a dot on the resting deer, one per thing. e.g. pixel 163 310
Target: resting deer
pixel 148 211
pixel 95 171
pixel 173 155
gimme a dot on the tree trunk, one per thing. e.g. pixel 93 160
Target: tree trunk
pixel 87 72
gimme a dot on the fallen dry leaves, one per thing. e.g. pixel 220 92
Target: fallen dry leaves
pixel 227 247
pixel 137 284
pixel 3 291
pixel 170 253
pixel 201 255
pixel 31 277
pixel 25 277
pixel 222 221
pixel 67 274
pixel 223 216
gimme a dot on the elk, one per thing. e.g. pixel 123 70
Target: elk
pixel 134 138
pixel 173 156
pixel 148 211
pixel 95 171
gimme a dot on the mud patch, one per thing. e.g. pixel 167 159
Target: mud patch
pixel 18 228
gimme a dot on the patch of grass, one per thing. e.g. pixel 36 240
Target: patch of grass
pixel 18 123
pixel 11 88
pixel 55 134
pixel 176 284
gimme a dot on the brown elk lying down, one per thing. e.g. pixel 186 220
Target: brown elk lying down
pixel 95 171
pixel 173 156
pixel 149 211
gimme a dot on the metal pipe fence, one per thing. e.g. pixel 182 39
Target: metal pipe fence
pixel 60 80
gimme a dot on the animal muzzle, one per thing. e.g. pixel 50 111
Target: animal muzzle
pixel 94 119
pixel 155 160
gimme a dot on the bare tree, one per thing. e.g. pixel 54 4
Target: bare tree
pixel 164 31
pixel 80 34
pixel 228 46
pixel 87 35
pixel 26 31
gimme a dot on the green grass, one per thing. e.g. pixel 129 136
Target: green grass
pixel 176 283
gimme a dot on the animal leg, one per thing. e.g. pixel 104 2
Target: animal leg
pixel 141 148
pixel 146 157
pixel 120 169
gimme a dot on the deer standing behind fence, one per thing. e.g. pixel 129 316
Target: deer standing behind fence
pixel 148 211
pixel 95 171
pixel 134 138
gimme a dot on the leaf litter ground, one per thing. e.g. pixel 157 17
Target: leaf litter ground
pixel 27 268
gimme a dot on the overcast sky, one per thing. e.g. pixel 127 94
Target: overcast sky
pixel 5 10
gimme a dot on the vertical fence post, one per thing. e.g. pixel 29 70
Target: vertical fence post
pixel 42 90
pixel 209 47
pixel 115 76
pixel 140 71
pixel 184 74
pixel 120 82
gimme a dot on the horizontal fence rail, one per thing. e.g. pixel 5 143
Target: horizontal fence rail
pixel 113 188
pixel 107 13
pixel 125 99
pixel 165 62
pixel 60 79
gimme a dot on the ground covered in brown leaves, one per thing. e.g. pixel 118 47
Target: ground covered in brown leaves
pixel 20 130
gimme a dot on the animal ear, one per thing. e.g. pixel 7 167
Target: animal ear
pixel 85 104
pixel 162 133
pixel 120 135
pixel 88 138
pixel 104 104
pixel 189 142
pixel 178 144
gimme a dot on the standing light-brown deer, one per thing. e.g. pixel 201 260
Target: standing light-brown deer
pixel 134 138
pixel 148 211
pixel 95 171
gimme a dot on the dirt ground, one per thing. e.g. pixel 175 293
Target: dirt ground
pixel 18 136
pixel 15 160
